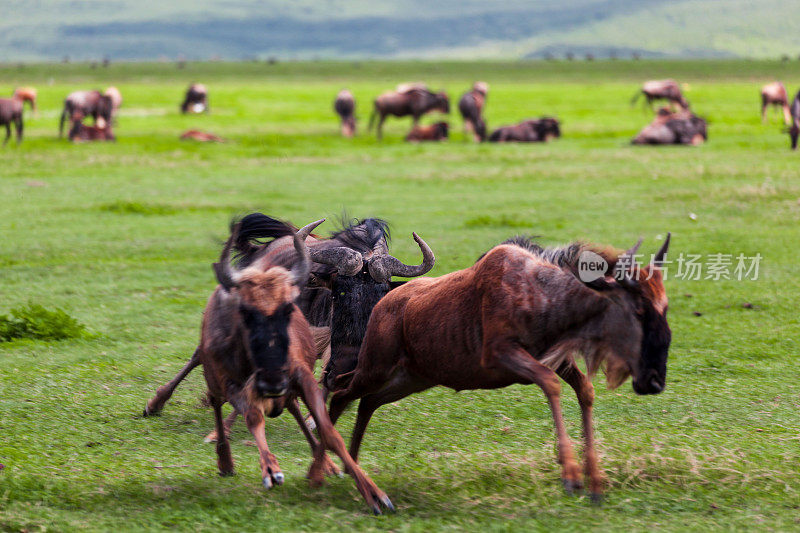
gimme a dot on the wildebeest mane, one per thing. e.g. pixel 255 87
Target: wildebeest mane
pixel 361 235
pixel 254 228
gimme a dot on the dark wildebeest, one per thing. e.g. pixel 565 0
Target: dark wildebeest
pixel 11 113
pixel 258 354
pixel 413 99
pixel 196 99
pixel 81 132
pixel 536 130
pixel 683 127
pixel 345 107
pixel 471 107
pixel 775 94
pixel 520 314
pixel 202 136
pixel 351 271
pixel 84 104
pixel 432 132
pixel 662 90
pixel 794 129
pixel 26 94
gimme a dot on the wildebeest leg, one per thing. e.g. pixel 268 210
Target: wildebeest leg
pixel 8 133
pixel 227 424
pixel 584 390
pixel 763 109
pixel 61 123
pixel 380 126
pixel 19 130
pixel 164 392
pixel 787 116
pixel 224 458
pixel 528 370
pixel 270 471
pixel 328 467
pixel 331 440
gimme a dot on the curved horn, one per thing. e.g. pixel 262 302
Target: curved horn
pixel 658 259
pixel 347 261
pixel 301 270
pixel 625 264
pixel 222 268
pixel 382 268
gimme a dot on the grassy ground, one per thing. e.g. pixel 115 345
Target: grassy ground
pixel 121 236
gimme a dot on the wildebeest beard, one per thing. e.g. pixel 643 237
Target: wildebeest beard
pixel 268 340
pixel 651 377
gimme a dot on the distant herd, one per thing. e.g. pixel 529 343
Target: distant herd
pixel 675 124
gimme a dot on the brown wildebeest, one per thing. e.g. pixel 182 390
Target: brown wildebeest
pixel 345 107
pixel 81 132
pixel 26 94
pixel 775 94
pixel 520 314
pixel 11 113
pixel 794 129
pixel 471 107
pixel 683 127
pixel 662 90
pixel 257 352
pixel 432 132
pixel 86 103
pixel 415 100
pixel 202 136
pixel 196 99
pixel 536 130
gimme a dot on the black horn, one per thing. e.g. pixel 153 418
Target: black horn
pixel 222 268
pixel 300 272
pixel 658 259
pixel 347 262
pixel 382 268
pixel 625 264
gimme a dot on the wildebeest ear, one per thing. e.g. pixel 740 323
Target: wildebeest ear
pixel 321 280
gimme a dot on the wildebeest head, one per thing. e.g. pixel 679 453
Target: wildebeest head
pixel 442 102
pixel 265 304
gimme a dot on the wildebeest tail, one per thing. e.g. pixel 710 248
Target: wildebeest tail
pixel 636 97
pixel 254 229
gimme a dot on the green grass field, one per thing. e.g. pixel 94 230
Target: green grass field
pixel 121 236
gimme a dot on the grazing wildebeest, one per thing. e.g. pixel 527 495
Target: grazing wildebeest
pixel 26 94
pixel 520 314
pixel 415 100
pixel 536 130
pixel 351 271
pixel 667 127
pixel 196 99
pixel 81 132
pixel 775 94
pixel 258 354
pixel 794 129
pixel 11 113
pixel 471 107
pixel 86 103
pixel 202 136
pixel 662 90
pixel 432 132
pixel 345 107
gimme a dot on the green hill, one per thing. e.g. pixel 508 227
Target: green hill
pixel 127 29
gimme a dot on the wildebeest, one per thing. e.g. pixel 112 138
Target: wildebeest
pixel 11 113
pixel 202 136
pixel 775 94
pixel 196 99
pixel 432 132
pixel 345 107
pixel 116 98
pixel 535 130
pixel 414 100
pixel 26 94
pixel 683 127
pixel 351 271
pixel 662 90
pixel 80 132
pixel 84 104
pixel 520 314
pixel 794 129
pixel 471 107
pixel 258 354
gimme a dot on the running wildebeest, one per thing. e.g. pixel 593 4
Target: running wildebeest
pixel 794 129
pixel 84 104
pixel 520 314
pixel 11 113
pixel 345 107
pixel 258 354
pixel 471 107
pixel 80 132
pixel 432 132
pixel 351 271
pixel 536 130
pixel 683 127
pixel 196 99
pixel 414 100
pixel 662 90
pixel 26 94
pixel 775 94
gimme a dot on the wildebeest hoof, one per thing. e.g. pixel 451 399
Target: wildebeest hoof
pixel 226 473
pixel 278 477
pixel 597 498
pixel 376 510
pixel 150 412
pixel 572 486
pixel 388 504
pixel 267 482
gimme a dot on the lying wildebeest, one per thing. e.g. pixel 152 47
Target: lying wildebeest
pixel 775 94
pixel 11 113
pixel 202 136
pixel 26 94
pixel 257 352
pixel 536 130
pixel 662 90
pixel 196 99
pixel 794 129
pixel 432 132
pixel 471 107
pixel 81 104
pixel 416 100
pixel 667 127
pixel 351 271
pixel 81 132
pixel 520 314
pixel 345 107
